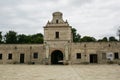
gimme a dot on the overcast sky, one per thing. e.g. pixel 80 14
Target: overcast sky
pixel 97 18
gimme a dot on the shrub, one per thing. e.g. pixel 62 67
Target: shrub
pixel 31 62
pixel 15 62
pixel 110 62
pixel 85 63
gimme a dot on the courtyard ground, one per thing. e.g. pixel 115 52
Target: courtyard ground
pixel 59 72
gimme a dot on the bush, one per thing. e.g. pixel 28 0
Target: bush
pixel 85 63
pixel 15 62
pixel 110 62
pixel 118 63
pixel 31 62
pixel 46 63
pixel 66 63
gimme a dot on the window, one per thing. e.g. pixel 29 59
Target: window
pixel 116 56
pixel 56 34
pixel 103 55
pixel 109 45
pixel 35 55
pixel 78 55
pixel 10 56
pixel 57 21
pixel 0 56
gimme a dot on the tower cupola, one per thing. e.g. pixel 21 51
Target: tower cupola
pixel 57 20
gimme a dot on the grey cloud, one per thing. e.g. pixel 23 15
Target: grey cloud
pixel 9 2
pixel 80 2
pixel 89 17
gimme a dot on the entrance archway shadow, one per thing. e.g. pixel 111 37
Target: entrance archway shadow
pixel 57 57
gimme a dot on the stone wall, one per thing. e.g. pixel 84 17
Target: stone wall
pixel 69 51
pixel 17 49
pixel 87 48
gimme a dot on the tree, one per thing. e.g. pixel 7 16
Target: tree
pixel 11 37
pixel 0 37
pixel 88 39
pixel 23 39
pixel 37 38
pixel 112 38
pixel 118 33
pixel 30 39
pixel 103 40
pixel 76 36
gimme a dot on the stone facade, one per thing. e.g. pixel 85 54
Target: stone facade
pixel 59 48
pixel 17 50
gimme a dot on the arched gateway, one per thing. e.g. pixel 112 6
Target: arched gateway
pixel 57 57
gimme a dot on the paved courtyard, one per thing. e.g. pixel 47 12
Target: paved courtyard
pixel 59 72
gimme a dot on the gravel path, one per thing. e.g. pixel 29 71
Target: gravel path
pixel 59 72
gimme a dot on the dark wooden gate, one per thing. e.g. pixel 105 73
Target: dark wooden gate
pixel 22 58
pixel 93 58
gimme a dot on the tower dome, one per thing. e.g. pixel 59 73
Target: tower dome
pixel 57 20
pixel 57 15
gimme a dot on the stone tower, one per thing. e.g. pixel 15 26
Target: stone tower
pixel 57 29
pixel 57 38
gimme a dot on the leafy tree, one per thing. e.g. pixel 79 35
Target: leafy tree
pixel 103 40
pixel 112 38
pixel 23 39
pixel 37 38
pixel 11 37
pixel 118 33
pixel 88 39
pixel 30 39
pixel 0 37
pixel 76 36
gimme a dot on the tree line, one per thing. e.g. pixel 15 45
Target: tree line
pixel 13 37
pixel 77 38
